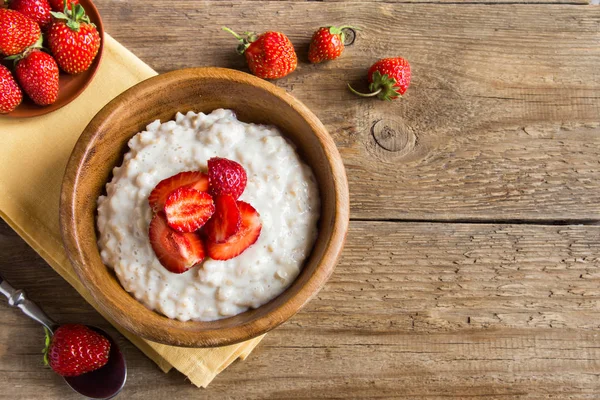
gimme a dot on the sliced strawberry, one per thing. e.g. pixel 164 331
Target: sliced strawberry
pixel 226 220
pixel 176 251
pixel 196 179
pixel 226 177
pixel 245 237
pixel 188 209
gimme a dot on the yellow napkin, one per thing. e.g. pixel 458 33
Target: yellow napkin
pixel 34 153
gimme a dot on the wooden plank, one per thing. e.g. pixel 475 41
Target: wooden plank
pixel 579 2
pixel 414 310
pixel 501 120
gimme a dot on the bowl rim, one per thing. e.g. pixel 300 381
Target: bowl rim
pixel 218 336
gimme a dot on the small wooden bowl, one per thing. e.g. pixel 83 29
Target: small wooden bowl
pixel 101 147
pixel 69 86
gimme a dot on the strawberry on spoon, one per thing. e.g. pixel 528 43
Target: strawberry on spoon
pixel 102 383
pixel 389 78
pixel 75 349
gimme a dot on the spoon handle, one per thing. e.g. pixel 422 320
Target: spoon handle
pixel 17 298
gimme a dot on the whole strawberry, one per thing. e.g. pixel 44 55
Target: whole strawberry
pixel 37 74
pixel 17 32
pixel 10 94
pixel 389 78
pixel 327 44
pixel 59 5
pixel 73 40
pixel 36 10
pixel 270 55
pixel 76 349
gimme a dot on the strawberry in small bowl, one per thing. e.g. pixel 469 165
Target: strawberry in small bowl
pixel 72 35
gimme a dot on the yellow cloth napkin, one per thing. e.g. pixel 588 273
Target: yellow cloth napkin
pixel 34 153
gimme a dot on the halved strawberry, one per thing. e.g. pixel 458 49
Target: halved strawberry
pixel 188 209
pixel 226 220
pixel 226 177
pixel 245 237
pixel 196 179
pixel 176 251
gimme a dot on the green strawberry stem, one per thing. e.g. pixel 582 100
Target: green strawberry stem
pixel 382 86
pixel 244 41
pixel 46 345
pixel 18 57
pixel 339 30
pixel 73 17
pixel 373 94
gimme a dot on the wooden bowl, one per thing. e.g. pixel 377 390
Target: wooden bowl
pixel 101 147
pixel 69 86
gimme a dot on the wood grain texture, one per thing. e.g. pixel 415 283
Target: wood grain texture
pixel 501 120
pixel 501 123
pixel 414 310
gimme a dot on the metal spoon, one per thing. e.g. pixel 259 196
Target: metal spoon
pixel 103 383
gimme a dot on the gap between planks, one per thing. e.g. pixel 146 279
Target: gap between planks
pixel 481 221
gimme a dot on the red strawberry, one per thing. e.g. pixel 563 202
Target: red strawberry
pixel 176 251
pixel 36 10
pixel 73 40
pixel 187 209
pixel 226 177
pixel 246 236
pixel 17 32
pixel 38 73
pixel 389 78
pixel 10 93
pixel 270 55
pixel 327 44
pixel 194 179
pixel 76 349
pixel 226 220
pixel 59 5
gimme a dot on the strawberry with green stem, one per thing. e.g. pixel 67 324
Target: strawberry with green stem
pixel 269 55
pixel 37 73
pixel 389 79
pixel 59 5
pixel 327 43
pixel 17 32
pixel 36 10
pixel 75 349
pixel 73 39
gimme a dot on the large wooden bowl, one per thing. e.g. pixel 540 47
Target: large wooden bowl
pixel 101 147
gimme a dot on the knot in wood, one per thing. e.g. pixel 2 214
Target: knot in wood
pixel 349 36
pixel 393 135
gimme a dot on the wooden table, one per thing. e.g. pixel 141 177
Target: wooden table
pixel 472 267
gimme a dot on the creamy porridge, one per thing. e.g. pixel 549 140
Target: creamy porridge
pixel 280 187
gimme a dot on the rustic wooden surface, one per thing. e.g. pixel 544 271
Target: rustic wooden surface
pixel 472 268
